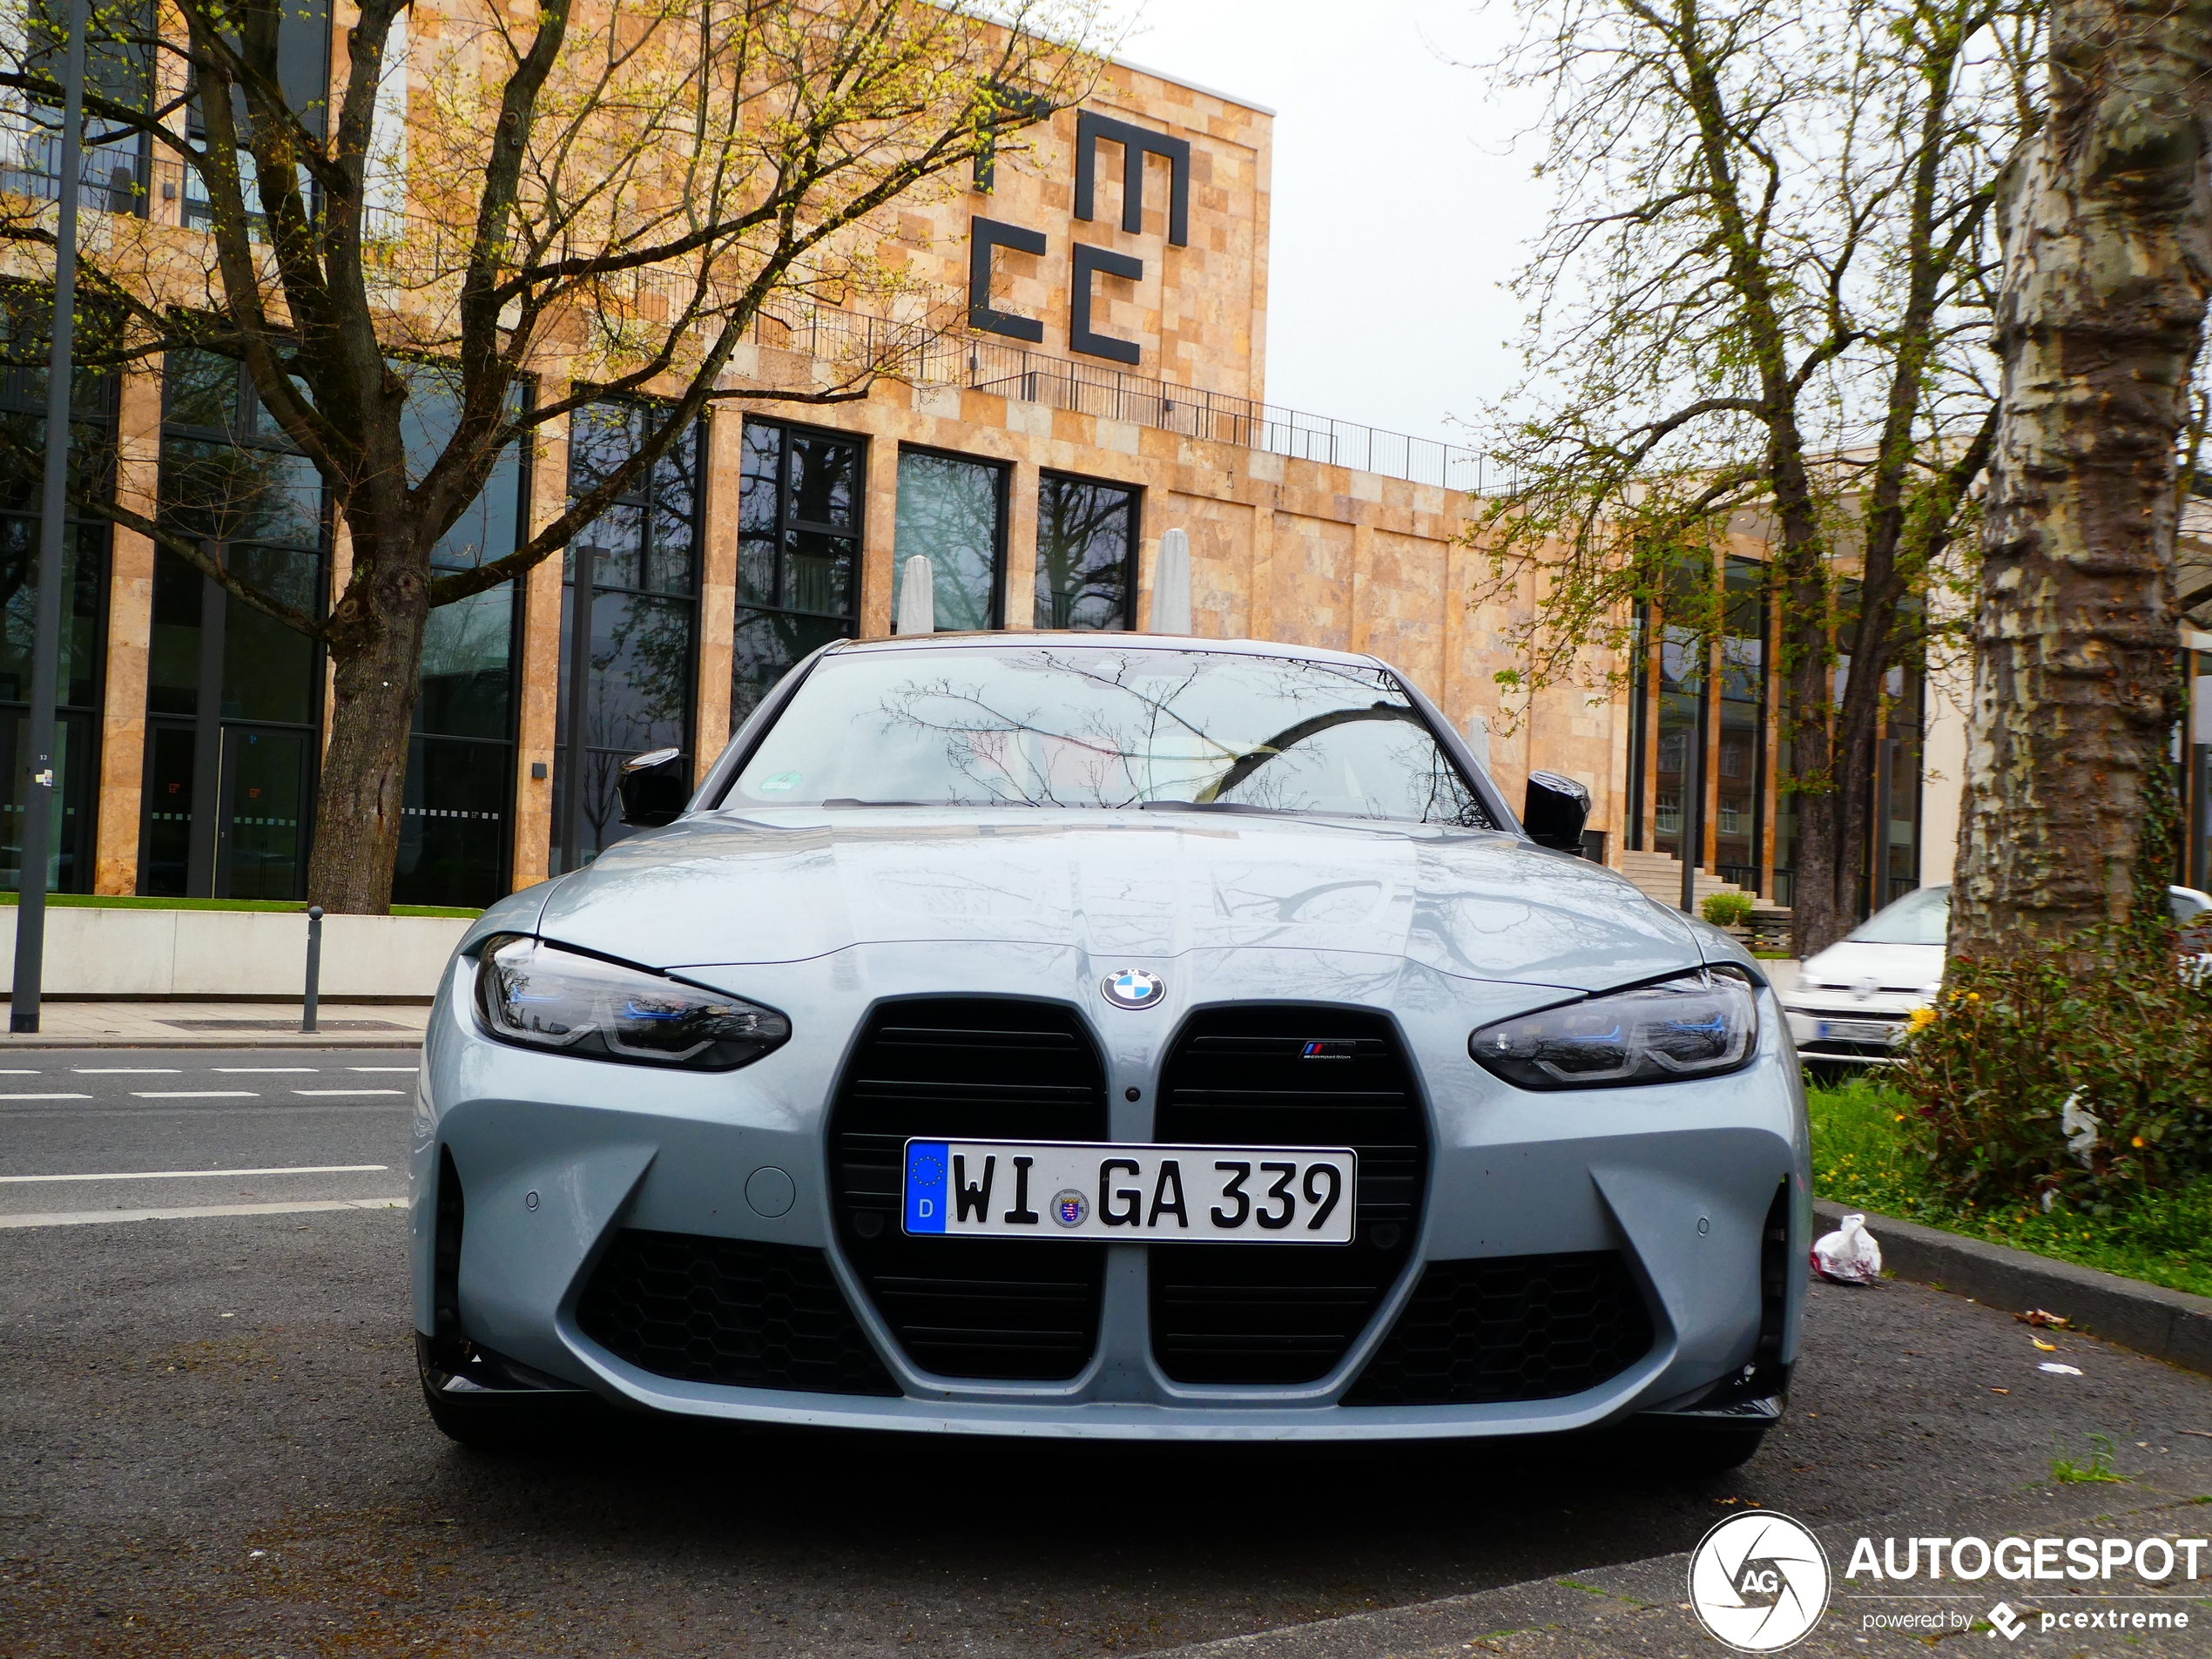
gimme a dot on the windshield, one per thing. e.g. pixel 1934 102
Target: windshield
pixel 1105 727
pixel 1921 917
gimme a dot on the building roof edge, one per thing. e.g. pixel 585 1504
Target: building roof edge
pixel 1174 80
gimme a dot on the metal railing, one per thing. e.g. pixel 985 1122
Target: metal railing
pixel 122 178
pixel 946 357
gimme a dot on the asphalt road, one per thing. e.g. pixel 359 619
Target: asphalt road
pixel 131 1129
pixel 211 1442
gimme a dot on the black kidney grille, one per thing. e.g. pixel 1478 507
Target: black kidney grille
pixel 969 1068
pixel 729 1310
pixel 1509 1327
pixel 1279 1314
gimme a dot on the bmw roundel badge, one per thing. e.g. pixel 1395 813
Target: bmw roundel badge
pixel 1135 989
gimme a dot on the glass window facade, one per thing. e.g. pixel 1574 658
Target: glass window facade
pixel 455 841
pixel 1086 553
pixel 952 510
pixel 233 696
pixel 629 623
pixel 1740 766
pixel 799 553
pixel 84 555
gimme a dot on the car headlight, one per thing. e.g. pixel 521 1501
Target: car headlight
pixel 538 995
pixel 1693 1025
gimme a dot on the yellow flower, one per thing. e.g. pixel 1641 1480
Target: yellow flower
pixel 2138 1141
pixel 1973 996
pixel 1922 1018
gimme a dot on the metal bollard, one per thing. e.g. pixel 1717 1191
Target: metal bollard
pixel 314 969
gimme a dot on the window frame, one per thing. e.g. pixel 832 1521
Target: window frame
pixel 1003 471
pixel 1132 562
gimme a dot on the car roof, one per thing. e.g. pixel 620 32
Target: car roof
pixel 1095 638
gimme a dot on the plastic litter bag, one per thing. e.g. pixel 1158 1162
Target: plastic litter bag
pixel 1848 1256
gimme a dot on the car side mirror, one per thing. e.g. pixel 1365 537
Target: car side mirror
pixel 1556 809
pixel 653 788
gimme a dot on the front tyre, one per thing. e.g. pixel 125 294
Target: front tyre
pixel 1694 1451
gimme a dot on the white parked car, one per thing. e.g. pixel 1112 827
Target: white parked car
pixel 1853 1002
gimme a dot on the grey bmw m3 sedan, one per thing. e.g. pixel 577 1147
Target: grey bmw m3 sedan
pixel 1110 1036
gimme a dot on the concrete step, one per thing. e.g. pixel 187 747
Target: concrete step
pixel 1658 876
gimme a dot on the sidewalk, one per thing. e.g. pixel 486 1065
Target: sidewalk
pixel 221 1025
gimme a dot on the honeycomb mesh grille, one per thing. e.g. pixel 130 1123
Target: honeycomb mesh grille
pixel 1509 1327
pixel 729 1310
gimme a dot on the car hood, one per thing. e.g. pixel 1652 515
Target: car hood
pixel 718 889
pixel 1855 966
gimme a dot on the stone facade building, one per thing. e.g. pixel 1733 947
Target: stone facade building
pixel 1109 386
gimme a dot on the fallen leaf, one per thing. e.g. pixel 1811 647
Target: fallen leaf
pixel 2037 1316
pixel 2007 1390
pixel 2047 1347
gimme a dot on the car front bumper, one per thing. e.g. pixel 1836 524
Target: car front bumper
pixel 1849 1031
pixel 1700 1189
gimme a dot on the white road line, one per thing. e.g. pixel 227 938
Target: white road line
pixel 188 1093
pixel 46 1097
pixel 349 1091
pixel 190 1175
pixel 20 1071
pixel 241 1071
pixel 409 1069
pixel 125 1071
pixel 80 1217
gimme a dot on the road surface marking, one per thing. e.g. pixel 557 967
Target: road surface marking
pixel 46 1097
pixel 125 1071
pixel 20 1071
pixel 191 1094
pixel 406 1069
pixel 261 1070
pixel 187 1174
pixel 349 1091
pixel 80 1217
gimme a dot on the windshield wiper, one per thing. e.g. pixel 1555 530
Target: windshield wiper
pixel 1227 806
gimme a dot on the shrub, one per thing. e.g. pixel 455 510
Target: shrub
pixel 1727 909
pixel 2029 1081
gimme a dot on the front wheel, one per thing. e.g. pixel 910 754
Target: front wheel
pixel 1695 1450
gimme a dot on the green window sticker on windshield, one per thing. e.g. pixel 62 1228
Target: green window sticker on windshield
pixel 780 782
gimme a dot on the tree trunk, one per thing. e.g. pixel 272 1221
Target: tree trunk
pixel 376 661
pixel 2106 223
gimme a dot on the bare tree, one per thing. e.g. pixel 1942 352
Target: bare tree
pixel 595 196
pixel 1759 315
pixel 2105 217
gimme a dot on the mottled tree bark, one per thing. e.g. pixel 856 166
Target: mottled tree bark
pixel 2106 220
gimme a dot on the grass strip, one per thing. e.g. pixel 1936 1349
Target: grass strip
pixel 1863 1156
pixel 129 901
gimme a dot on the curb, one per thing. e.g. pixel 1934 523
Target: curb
pixel 2171 1325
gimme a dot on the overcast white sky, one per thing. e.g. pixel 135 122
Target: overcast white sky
pixel 1402 201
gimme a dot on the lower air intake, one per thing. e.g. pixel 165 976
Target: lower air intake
pixel 1509 1327
pixel 729 1310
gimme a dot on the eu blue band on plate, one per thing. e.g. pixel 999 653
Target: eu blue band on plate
pixel 926 1186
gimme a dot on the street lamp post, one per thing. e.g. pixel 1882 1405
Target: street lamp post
pixel 38 803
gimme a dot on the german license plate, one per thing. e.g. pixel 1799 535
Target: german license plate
pixel 1857 1030
pixel 1274 1195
